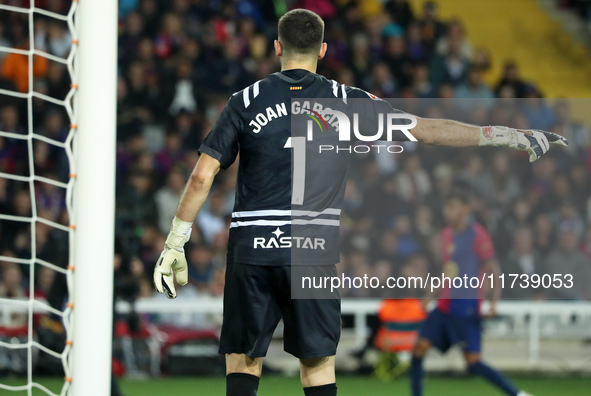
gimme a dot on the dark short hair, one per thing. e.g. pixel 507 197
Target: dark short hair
pixel 301 32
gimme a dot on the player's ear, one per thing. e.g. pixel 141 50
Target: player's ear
pixel 278 48
pixel 323 48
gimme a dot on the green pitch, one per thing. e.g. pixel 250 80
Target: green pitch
pixel 348 386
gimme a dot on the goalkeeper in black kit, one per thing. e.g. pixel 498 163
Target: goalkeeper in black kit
pixel 270 209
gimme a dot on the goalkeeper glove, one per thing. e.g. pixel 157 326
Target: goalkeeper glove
pixel 172 261
pixel 535 142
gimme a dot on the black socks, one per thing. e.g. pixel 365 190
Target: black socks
pixel 322 390
pixel 241 384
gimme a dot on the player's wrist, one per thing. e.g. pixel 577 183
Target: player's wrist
pixel 498 136
pixel 180 232
pixel 181 226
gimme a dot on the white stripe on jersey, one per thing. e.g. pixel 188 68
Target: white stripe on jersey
pixel 344 93
pixel 274 223
pixel 334 223
pixel 309 213
pixel 277 212
pixel 261 213
pixel 335 88
pixel 255 89
pixel 279 223
pixel 245 97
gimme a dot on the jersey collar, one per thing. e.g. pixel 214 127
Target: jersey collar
pixel 293 76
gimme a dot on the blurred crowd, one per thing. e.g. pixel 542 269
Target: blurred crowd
pixel 180 60
pixel 537 214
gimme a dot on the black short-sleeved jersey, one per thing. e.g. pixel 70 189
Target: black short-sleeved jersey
pixel 269 224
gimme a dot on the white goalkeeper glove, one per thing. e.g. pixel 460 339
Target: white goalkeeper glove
pixel 172 262
pixel 535 142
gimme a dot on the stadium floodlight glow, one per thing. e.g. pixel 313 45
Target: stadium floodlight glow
pixel 89 194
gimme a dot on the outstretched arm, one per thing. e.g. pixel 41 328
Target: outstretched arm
pixel 458 134
pixel 441 132
pixel 172 261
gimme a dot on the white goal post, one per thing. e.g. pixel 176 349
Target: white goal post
pixel 94 198
pixel 90 105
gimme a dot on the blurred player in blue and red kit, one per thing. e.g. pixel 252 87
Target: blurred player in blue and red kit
pixel 467 251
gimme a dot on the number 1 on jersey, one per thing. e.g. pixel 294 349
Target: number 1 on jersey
pixel 298 144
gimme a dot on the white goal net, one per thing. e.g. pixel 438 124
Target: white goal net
pixel 37 174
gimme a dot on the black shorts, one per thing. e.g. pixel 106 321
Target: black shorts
pixel 257 297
